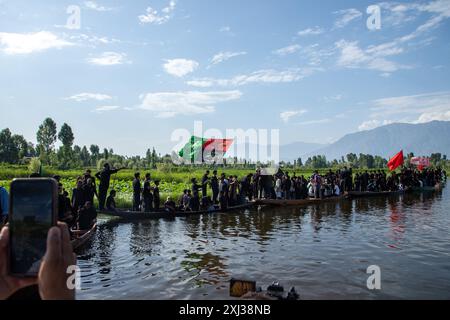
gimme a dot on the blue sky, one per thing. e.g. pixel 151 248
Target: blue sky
pixel 137 70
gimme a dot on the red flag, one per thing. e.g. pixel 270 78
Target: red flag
pixel 396 161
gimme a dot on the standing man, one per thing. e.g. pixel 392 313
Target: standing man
pixel 104 176
pixel 215 187
pixel 137 192
pixel 4 205
pixel 205 179
pixel 147 194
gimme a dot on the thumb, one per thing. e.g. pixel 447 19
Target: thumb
pixel 54 251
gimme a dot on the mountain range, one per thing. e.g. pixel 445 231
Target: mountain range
pixel 421 139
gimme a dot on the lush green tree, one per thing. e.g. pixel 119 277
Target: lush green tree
pixel 66 136
pixel 9 151
pixel 46 136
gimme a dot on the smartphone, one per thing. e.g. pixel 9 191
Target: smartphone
pixel 33 211
pixel 240 287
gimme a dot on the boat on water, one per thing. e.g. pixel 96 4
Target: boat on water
pixel 437 187
pixel 364 194
pixel 299 202
pixel 139 215
pixel 81 237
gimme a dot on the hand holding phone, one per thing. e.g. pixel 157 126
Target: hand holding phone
pixel 9 284
pixel 33 211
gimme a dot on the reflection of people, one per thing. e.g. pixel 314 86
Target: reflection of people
pixel 4 205
pixel 52 277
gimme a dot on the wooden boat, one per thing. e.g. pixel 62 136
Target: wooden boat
pixel 364 194
pixel 438 187
pixel 292 203
pixel 135 215
pixel 83 237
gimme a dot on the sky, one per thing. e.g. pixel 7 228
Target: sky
pixel 126 74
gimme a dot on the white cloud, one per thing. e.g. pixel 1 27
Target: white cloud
pixel 103 109
pixel 152 16
pixel 346 16
pixel 92 40
pixel 260 76
pixel 287 50
pixel 225 29
pixel 92 5
pixel 170 104
pixel 26 43
pixel 311 31
pixel 409 109
pixel 224 56
pixel 373 58
pixel 180 67
pixel 89 96
pixel 109 59
pixel 337 97
pixel 287 115
pixel 372 124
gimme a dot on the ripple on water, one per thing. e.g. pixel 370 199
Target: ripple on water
pixel 323 250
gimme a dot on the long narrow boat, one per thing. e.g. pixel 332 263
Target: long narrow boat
pixel 300 202
pixel 81 239
pixel 437 187
pixel 134 215
pixel 364 194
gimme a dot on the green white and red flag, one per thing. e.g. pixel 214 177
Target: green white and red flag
pixel 197 150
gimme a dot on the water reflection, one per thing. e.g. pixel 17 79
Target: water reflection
pixel 323 249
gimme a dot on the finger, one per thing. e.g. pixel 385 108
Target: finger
pixel 4 255
pixel 4 237
pixel 54 251
pixel 65 238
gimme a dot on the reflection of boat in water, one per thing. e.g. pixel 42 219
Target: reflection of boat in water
pixel 138 215
pixel 81 237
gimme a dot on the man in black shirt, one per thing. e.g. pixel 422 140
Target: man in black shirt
pixel 205 179
pixel 111 201
pixel 147 194
pixel 104 176
pixel 137 192
pixel 215 187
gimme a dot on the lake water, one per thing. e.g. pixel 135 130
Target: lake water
pixel 323 250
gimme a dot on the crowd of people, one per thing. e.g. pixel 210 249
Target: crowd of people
pixel 214 191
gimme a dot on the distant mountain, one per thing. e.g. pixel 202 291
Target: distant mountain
pixel 385 141
pixel 293 151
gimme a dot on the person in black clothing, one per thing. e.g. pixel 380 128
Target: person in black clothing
pixel 89 191
pixel 87 216
pixel 215 187
pixel 169 206
pixel 156 196
pixel 147 194
pixel 245 188
pixel 89 181
pixel 205 180
pixel 195 203
pixel 104 176
pixel 111 201
pixel 137 192
pixel 64 207
pixel 78 197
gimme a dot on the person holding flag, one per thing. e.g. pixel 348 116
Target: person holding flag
pixel 396 161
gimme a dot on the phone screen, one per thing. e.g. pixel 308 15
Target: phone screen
pixel 31 217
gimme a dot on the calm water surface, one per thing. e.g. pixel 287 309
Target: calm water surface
pixel 322 250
